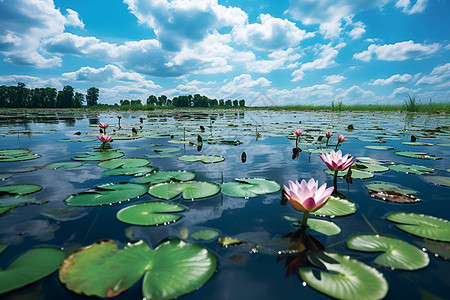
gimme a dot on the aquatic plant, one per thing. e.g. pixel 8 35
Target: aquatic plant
pixel 105 139
pixel 336 162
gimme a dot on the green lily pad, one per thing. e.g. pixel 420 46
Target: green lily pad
pixel 343 277
pixel 20 189
pixel 411 169
pixel 417 143
pixel 438 180
pixel 206 159
pixel 356 174
pixel 190 189
pixel 414 154
pixel 323 227
pixel 9 203
pixel 372 168
pixel 173 269
pixel 381 187
pixel 164 152
pixel 336 206
pixel 124 163
pixel 136 171
pixel 250 187
pixel 67 164
pixel 396 253
pixel 99 155
pixel 4 176
pixel 159 177
pixel 380 147
pixel 11 155
pixel 205 234
pixel 77 140
pixel 107 194
pixel 422 225
pixel 150 213
pixel 32 266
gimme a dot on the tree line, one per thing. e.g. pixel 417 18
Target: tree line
pixel 195 100
pixel 22 97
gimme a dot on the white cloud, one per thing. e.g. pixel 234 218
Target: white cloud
pixel 72 19
pixel 438 75
pixel 333 79
pixel 272 33
pixel 356 33
pixel 278 60
pixel 31 81
pixel 398 51
pixel 397 78
pixel 401 90
pixel 418 7
pixel 355 93
pixel 243 85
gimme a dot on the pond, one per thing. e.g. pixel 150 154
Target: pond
pixel 62 190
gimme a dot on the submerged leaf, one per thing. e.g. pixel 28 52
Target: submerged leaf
pixel 438 180
pixel 205 234
pixel 159 177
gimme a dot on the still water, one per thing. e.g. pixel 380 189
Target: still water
pixel 244 271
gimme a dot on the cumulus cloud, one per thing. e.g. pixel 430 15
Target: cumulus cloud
pixel 281 59
pixel 398 51
pixel 397 78
pixel 31 81
pixel 410 9
pixel 333 79
pixel 355 93
pixel 438 75
pixel 177 22
pixel 243 84
pixel 272 33
pixel 72 19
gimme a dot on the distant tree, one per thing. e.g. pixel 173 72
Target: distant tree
pixel 162 100
pixel 242 102
pixel 152 100
pixel 221 102
pixel 124 102
pixel 214 102
pixel 235 103
pixel 136 102
pixel 228 103
pixel 92 96
pixel 78 100
pixel 65 97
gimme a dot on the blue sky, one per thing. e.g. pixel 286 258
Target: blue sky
pixel 266 52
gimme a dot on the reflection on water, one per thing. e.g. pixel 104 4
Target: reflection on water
pixel 244 272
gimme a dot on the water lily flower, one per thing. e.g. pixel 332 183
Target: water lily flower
pixel 341 138
pixel 298 132
pixel 307 196
pixel 103 125
pixel 328 134
pixel 104 138
pixel 335 161
pixel 119 117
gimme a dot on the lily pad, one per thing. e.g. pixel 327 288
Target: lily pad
pixel 380 187
pixel 9 203
pixel 250 187
pixel 11 155
pixel 107 194
pixel 323 227
pixel 391 192
pixel 32 266
pixel 4 176
pixel 373 168
pixel 356 174
pixel 336 206
pixel 99 155
pixel 67 164
pixel 438 180
pixel 20 189
pixel 136 171
pixel 417 143
pixel 422 225
pixel 206 159
pixel 159 177
pixel 411 169
pixel 343 277
pixel 396 253
pixel 414 154
pixel 77 140
pixel 190 189
pixel 205 234
pixel 380 147
pixel 173 269
pixel 124 163
pixel 150 213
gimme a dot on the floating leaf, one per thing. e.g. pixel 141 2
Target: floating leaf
pixel 336 206
pixel 417 143
pixel 411 169
pixel 10 155
pixel 396 253
pixel 9 203
pixel 414 154
pixel 32 266
pixel 250 187
pixel 165 152
pixel 99 155
pixel 393 196
pixel 373 168
pixel 441 249
pixel 4 176
pixel 159 177
pixel 381 187
pixel 438 180
pixel 77 140
pixel 3 247
pixel 150 213
pixel 107 194
pixel 206 159
pixel 380 147
pixel 136 171
pixel 67 164
pixel 20 189
pixel 173 269
pixel 205 234
pixel 190 189
pixel 322 227
pixel 226 241
pixel 422 225
pixel 124 163
pixel 356 174
pixel 343 277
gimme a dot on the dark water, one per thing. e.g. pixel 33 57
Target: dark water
pixel 242 272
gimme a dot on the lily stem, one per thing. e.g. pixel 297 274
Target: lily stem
pixel 335 179
pixel 305 218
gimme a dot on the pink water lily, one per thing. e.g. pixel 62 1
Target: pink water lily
pixel 103 125
pixel 104 138
pixel 307 197
pixel 298 132
pixel 341 138
pixel 335 161
pixel 328 134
